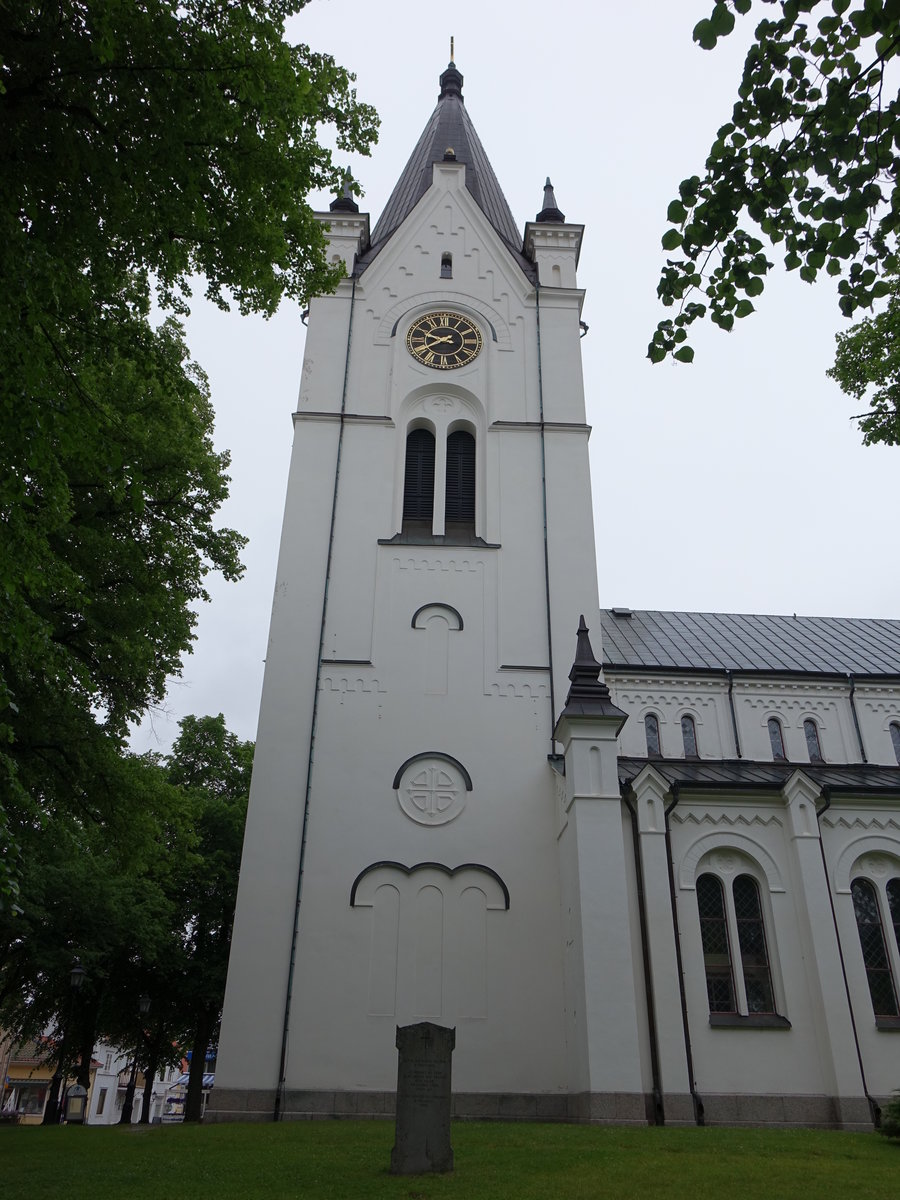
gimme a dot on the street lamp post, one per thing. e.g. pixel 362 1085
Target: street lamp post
pixel 128 1106
pixel 57 1083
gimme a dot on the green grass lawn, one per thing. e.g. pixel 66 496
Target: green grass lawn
pixel 348 1160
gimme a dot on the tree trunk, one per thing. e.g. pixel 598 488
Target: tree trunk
pixel 149 1077
pixel 86 1031
pixel 193 1104
pixel 128 1106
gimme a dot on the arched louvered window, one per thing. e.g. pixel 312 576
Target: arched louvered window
pixel 811 734
pixel 418 481
pixel 651 730
pixel 895 739
pixel 689 736
pixel 776 740
pixel 460 493
pixel 874 950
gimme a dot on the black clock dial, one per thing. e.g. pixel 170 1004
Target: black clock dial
pixel 443 340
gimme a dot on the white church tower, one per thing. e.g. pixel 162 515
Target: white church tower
pixel 428 837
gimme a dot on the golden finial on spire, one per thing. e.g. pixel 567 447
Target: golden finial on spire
pixel 451 48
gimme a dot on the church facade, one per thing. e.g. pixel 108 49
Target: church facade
pixel 668 891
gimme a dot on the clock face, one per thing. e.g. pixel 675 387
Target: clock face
pixel 443 340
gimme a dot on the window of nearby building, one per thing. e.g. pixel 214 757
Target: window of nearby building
pixel 776 740
pixel 739 985
pixel 418 481
pixel 895 739
pixel 811 734
pixel 101 1101
pixel 689 736
pixel 651 730
pixel 460 485
pixel 871 939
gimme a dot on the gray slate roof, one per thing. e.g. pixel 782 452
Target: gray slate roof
pixel 732 642
pixel 770 776
pixel 449 125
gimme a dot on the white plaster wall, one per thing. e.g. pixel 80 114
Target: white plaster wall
pixel 863 840
pixel 732 837
pixel 670 698
pixel 878 705
pixel 792 701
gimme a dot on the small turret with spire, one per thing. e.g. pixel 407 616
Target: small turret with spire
pixel 550 212
pixel 344 202
pixel 588 695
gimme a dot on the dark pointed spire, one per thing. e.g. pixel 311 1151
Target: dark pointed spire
pixel 344 202
pixel 550 212
pixel 589 696
pixel 451 82
pixel 449 127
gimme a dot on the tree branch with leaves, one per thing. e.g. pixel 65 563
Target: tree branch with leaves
pixel 808 165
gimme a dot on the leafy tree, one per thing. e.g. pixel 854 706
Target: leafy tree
pixel 810 157
pixel 868 356
pixel 143 144
pixel 213 767
pixel 98 889
pixel 144 896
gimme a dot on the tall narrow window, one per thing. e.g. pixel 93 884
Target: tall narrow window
pixel 446 266
pixel 418 483
pixel 689 736
pixel 874 950
pixel 812 741
pixel 651 730
pixel 752 942
pixel 775 739
pixel 895 739
pixel 893 895
pixel 460 493
pixel 716 950
pixel 735 953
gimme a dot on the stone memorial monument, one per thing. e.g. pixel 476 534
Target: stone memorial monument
pixel 422 1141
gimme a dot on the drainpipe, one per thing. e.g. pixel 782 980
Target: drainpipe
pixel 658 1110
pixel 734 724
pixel 874 1107
pixel 278 1111
pixel 859 736
pixel 688 1053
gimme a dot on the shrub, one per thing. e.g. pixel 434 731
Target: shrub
pixel 890 1118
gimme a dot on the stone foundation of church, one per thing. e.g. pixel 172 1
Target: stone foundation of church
pixel 589 1108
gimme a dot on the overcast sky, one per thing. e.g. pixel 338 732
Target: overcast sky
pixel 736 484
